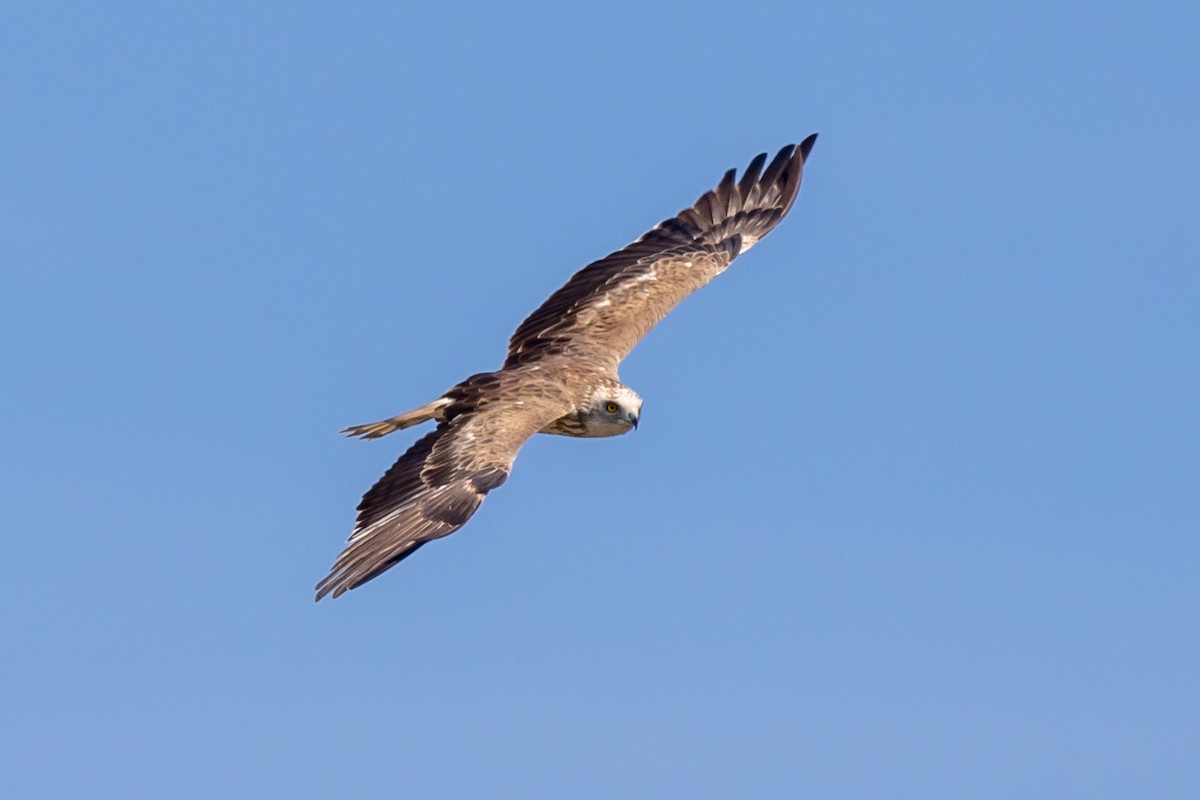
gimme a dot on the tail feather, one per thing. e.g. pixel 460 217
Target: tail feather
pixel 374 430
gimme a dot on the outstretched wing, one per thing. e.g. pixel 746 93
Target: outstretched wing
pixel 608 306
pixel 435 487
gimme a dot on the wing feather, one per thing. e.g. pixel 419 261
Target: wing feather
pixel 609 305
pixel 438 484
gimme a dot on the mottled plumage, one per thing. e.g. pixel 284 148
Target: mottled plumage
pixel 560 375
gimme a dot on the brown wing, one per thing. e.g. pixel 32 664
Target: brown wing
pixel 608 306
pixel 435 487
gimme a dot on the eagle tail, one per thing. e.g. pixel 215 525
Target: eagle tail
pixel 373 430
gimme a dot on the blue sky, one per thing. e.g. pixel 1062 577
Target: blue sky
pixel 913 511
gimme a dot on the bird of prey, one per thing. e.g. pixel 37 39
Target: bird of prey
pixel 560 375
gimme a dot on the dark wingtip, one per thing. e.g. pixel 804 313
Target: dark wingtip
pixel 807 145
pixel 750 174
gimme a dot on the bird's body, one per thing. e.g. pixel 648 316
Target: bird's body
pixel 560 376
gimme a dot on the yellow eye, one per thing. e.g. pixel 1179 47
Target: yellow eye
pixel 611 408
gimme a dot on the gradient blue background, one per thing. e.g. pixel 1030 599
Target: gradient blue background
pixel 913 511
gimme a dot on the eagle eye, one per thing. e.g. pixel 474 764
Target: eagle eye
pixel 612 407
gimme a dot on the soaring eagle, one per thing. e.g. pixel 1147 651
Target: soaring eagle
pixel 560 375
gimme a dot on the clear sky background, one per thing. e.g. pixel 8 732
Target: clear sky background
pixel 913 511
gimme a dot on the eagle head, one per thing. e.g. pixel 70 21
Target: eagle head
pixel 611 409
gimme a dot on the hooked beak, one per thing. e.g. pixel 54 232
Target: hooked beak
pixel 633 419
